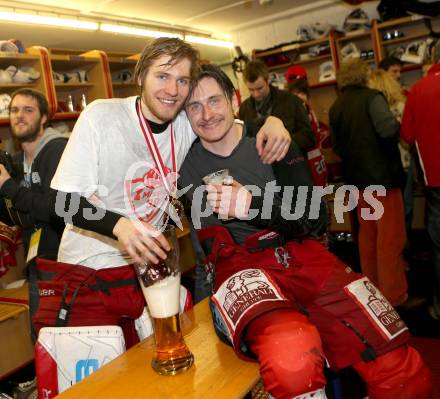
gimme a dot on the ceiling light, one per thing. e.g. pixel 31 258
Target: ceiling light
pixel 208 41
pixel 46 20
pixel 127 30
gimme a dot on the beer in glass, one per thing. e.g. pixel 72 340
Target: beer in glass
pixel 160 284
pixel 220 177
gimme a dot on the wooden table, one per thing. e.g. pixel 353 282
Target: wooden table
pixel 216 373
pixel 16 347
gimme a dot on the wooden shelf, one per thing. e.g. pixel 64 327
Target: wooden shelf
pixel 271 68
pixel 301 62
pixel 323 94
pixel 411 67
pixel 72 58
pixel 75 85
pixel 312 59
pixel 95 63
pixel 413 28
pixel 290 47
pixel 327 83
pixel 399 22
pixel 71 62
pixel 356 35
pixel 123 84
pixel 18 56
pixel 121 61
pixel 16 85
pixel 403 39
pixel 65 115
pixel 309 43
pixel 33 58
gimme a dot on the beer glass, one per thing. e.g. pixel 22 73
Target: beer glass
pixel 160 284
pixel 220 177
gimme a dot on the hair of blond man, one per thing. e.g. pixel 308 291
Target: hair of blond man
pixel 353 72
pixel 175 48
pixel 382 81
pixel 254 70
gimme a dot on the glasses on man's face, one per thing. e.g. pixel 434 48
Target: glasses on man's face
pixel 213 104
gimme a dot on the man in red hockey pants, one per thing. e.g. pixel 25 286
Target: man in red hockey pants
pixel 291 305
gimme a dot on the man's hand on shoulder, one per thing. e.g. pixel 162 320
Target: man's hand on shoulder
pixel 4 175
pixel 273 140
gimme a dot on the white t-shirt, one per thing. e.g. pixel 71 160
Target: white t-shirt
pixel 108 161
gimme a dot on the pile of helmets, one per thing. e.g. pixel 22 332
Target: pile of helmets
pixel 350 50
pixel 79 76
pixel 415 52
pixel 356 20
pixel 5 99
pixel 24 74
pixel 313 31
pixel 327 71
pixel 11 46
pixel 124 76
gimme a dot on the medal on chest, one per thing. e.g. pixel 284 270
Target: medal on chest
pixel 174 208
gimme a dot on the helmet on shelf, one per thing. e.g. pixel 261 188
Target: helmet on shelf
pixel 320 30
pixel 326 71
pixel 319 49
pixel 304 33
pixel 350 50
pixel 415 52
pixel 356 20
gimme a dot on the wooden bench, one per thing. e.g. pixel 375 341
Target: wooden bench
pixel 216 373
pixel 16 348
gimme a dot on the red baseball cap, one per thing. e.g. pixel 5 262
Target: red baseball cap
pixel 294 73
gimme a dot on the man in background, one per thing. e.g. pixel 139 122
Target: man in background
pixel 27 195
pixel 365 136
pixel 298 85
pixel 266 100
pixel 421 127
pixel 393 66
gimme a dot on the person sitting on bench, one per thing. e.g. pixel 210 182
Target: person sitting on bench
pixel 279 297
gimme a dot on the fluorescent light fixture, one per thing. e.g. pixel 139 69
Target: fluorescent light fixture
pixel 208 41
pixel 128 30
pixel 46 20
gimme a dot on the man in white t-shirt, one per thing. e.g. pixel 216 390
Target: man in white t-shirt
pixel 114 183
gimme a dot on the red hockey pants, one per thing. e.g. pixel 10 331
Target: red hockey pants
pixel 291 360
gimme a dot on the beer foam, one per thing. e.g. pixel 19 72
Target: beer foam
pixel 163 297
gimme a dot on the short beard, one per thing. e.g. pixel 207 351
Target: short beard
pixel 155 114
pixel 30 135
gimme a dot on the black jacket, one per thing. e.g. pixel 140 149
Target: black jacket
pixel 368 157
pixel 287 107
pixel 31 204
